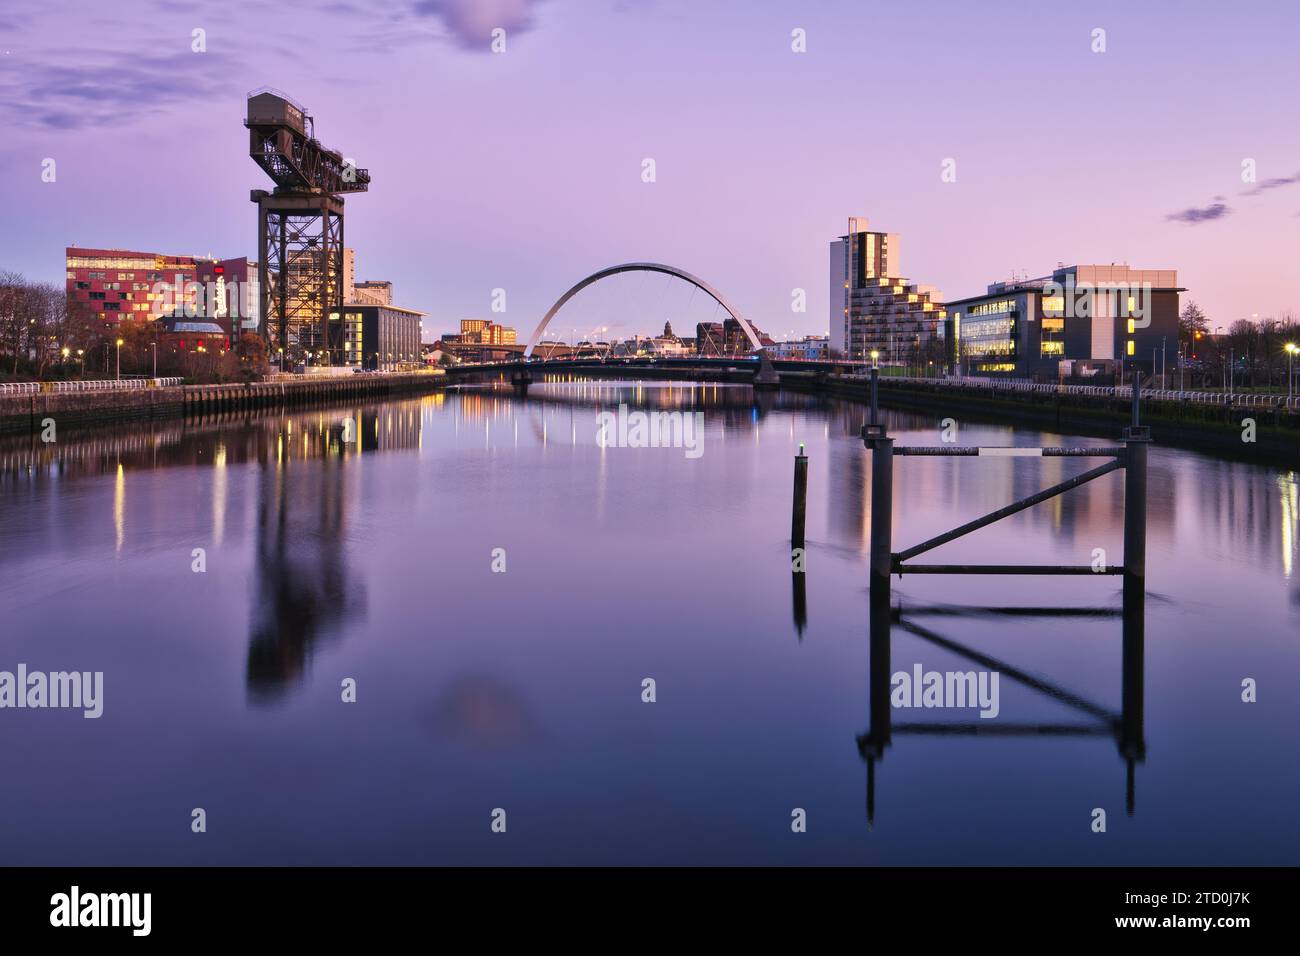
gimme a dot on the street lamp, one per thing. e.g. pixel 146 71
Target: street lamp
pixel 154 346
pixel 1291 350
pixel 119 358
pixel 81 357
pixel 874 359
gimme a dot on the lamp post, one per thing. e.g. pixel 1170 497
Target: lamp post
pixel 118 359
pixel 154 346
pixel 81 357
pixel 1291 349
pixel 875 357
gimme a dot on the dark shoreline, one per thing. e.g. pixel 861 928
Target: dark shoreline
pixel 1211 429
pixel 25 414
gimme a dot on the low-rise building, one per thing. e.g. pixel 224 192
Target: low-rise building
pixel 486 332
pixel 810 348
pixel 381 337
pixel 1080 320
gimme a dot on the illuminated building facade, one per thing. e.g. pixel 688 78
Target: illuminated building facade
pixel 1080 321
pixel 233 284
pixel 113 284
pixel 811 348
pixel 873 309
pixel 484 332
pixel 380 337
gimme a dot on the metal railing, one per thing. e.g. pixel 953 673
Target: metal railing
pixel 94 385
pixel 1232 399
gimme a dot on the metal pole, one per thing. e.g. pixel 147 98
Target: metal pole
pixel 1137 398
pixel 800 499
pixel 880 621
pixel 1136 440
pixel 875 389
pixel 882 507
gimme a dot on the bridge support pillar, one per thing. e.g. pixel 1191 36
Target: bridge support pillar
pixel 519 381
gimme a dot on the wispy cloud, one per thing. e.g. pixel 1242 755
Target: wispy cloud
pixel 1195 216
pixel 88 90
pixel 471 22
pixel 1274 183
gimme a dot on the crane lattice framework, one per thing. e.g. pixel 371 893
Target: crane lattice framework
pixel 299 227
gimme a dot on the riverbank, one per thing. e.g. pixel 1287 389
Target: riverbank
pixel 27 414
pixel 1220 430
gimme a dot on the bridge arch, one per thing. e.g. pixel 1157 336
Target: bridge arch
pixel 643 267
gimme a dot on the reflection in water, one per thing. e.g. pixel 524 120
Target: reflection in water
pixel 1289 484
pixel 799 600
pixel 483 711
pixel 119 507
pixel 329 524
pixel 302 586
pixel 1125 728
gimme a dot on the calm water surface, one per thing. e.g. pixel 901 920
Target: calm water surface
pixel 372 559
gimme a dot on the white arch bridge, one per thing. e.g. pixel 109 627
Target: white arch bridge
pixel 699 283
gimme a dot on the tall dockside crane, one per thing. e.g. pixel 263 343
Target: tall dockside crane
pixel 299 229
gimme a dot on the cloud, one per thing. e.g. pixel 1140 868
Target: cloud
pixel 471 22
pixel 1274 183
pixel 105 88
pixel 1194 216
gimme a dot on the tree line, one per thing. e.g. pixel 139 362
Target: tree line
pixel 46 333
pixel 1252 352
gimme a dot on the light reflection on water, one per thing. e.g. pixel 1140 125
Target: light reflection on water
pixel 357 543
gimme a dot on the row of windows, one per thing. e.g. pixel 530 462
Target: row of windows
pixel 988 329
pixel 134 277
pixel 990 348
pixel 992 308
pixel 86 262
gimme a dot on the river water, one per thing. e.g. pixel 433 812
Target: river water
pixel 231 579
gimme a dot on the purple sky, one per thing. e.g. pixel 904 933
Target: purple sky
pixel 522 170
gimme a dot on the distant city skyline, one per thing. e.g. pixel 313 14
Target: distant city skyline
pixel 523 170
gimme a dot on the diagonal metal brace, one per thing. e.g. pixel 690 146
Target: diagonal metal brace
pixel 1006 512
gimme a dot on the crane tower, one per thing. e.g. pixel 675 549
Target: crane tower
pixel 299 229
